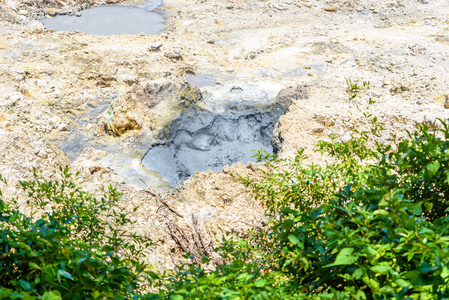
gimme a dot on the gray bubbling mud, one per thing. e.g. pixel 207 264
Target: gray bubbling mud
pixel 201 140
pixel 110 20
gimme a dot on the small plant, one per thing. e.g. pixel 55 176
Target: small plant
pixel 353 88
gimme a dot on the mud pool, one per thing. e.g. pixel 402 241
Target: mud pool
pixel 110 20
pixel 201 140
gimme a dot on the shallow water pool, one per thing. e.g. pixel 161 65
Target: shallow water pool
pixel 109 20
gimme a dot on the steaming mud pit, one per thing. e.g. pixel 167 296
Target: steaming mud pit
pixel 201 140
pixel 110 20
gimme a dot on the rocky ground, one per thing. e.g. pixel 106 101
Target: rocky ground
pixel 92 96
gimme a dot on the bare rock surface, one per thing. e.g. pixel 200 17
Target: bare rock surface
pixel 108 95
pixel 149 104
pixel 20 153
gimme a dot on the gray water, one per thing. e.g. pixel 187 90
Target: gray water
pixel 200 141
pixel 110 20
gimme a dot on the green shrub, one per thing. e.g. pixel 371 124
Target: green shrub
pixel 71 246
pixel 372 225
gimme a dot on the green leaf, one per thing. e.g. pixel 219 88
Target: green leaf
pixel 260 282
pixel 293 239
pixel 358 273
pixel 412 275
pixel 386 290
pixel 433 167
pixel 381 212
pixel 417 209
pixel 344 257
pixel 65 274
pixel 360 295
pixel 428 205
pixel 34 266
pixel 370 251
pixel 152 274
pixel 428 268
pixel 444 273
pixel 402 283
pixel 25 284
pixel 96 294
pixel 381 269
pixel 176 297
pixel 372 283
pixel 15 295
pixel 66 252
pixel 52 295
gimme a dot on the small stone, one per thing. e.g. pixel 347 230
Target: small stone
pixel 6 125
pixel 62 127
pixel 330 8
pixel 78 14
pixel 93 104
pixel 50 11
pixel 55 121
pixel 36 24
pixel 386 81
pixel 318 130
pixel 280 7
pixel 42 154
pixel 154 47
pixel 446 102
pixel 174 54
pixel 226 199
pixel 252 166
pixel 329 123
pixel 251 55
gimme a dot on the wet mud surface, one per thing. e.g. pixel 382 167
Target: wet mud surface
pixel 201 140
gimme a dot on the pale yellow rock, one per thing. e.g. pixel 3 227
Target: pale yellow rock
pixel 330 8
